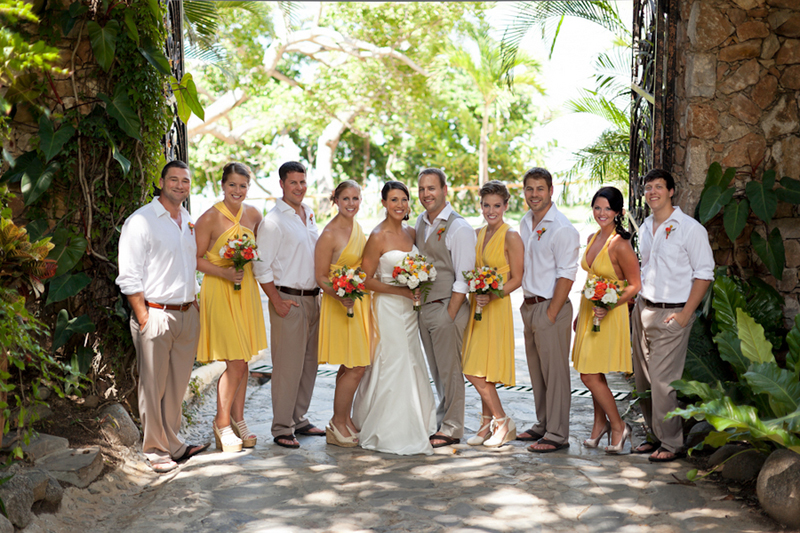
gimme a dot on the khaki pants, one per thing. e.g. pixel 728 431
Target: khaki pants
pixel 442 338
pixel 659 352
pixel 547 351
pixel 165 353
pixel 294 362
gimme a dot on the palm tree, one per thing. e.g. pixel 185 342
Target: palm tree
pixel 487 70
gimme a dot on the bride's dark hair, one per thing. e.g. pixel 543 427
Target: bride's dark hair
pixel 617 204
pixel 395 185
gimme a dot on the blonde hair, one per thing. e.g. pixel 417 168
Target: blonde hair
pixel 342 186
pixel 495 187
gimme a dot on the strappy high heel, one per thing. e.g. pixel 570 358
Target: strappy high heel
pixel 509 435
pixel 592 443
pixel 477 440
pixel 227 441
pixel 335 437
pixel 615 449
pixel 240 430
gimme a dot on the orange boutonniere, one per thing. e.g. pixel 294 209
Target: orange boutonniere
pixel 191 228
pixel 539 233
pixel 311 217
pixel 669 230
pixel 440 233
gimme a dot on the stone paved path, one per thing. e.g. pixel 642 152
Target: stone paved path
pixel 459 489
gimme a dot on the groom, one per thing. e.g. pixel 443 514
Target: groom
pixel 448 241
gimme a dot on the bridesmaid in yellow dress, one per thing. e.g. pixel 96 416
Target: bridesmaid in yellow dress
pixel 608 255
pixel 488 353
pixel 231 322
pixel 342 340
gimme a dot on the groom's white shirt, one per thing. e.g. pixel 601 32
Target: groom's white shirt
pixel 460 240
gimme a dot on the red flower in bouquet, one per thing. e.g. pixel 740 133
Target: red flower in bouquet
pixel 602 293
pixel 240 251
pixel 484 280
pixel 414 271
pixel 349 283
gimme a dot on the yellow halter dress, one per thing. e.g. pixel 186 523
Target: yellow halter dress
pixel 488 350
pixel 343 340
pixel 231 322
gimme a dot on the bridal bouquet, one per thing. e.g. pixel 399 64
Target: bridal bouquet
pixel 414 271
pixel 484 280
pixel 240 251
pixel 349 283
pixel 602 293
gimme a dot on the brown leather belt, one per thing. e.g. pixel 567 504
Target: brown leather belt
pixel 648 303
pixel 298 292
pixel 530 300
pixel 170 307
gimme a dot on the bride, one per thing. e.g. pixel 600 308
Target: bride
pixel 394 405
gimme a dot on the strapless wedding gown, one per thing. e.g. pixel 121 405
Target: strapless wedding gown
pixel 394 405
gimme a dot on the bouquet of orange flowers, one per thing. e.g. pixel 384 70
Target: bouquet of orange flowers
pixel 602 293
pixel 484 280
pixel 414 271
pixel 349 283
pixel 240 251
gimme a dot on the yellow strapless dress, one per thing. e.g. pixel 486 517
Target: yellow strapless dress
pixel 489 343
pixel 343 340
pixel 231 322
pixel 607 350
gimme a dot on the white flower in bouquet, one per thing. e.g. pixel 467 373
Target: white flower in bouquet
pixel 402 279
pixel 423 276
pixel 413 282
pixel 351 273
pixel 588 292
pixel 610 297
pixel 340 293
pixel 432 274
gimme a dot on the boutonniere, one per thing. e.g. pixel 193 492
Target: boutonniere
pixel 669 229
pixel 440 233
pixel 311 217
pixel 539 233
pixel 191 228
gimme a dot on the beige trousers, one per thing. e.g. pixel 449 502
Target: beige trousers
pixel 659 352
pixel 294 362
pixel 547 351
pixel 442 338
pixel 165 352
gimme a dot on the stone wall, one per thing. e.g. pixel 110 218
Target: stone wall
pixel 737 91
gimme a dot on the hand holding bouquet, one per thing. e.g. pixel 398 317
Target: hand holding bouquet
pixel 414 271
pixel 240 251
pixel 349 283
pixel 484 280
pixel 602 293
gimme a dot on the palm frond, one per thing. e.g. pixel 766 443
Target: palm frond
pixel 599 106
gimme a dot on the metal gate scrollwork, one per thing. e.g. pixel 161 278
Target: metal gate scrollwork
pixel 653 74
pixel 175 142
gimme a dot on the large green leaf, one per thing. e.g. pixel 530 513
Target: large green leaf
pixel 36 229
pixel 704 391
pixel 51 141
pixel 703 362
pixel 793 340
pixel 25 88
pixel 156 58
pixel 130 24
pixel 790 192
pixel 68 250
pixel 66 286
pixel 66 328
pixel 755 346
pixel 765 305
pixel 185 93
pixel 715 176
pixel 770 251
pixel 712 200
pixel 735 217
pixel 763 199
pixel 779 385
pixel 21 166
pixel 727 298
pixel 730 350
pixel 120 109
pixel 33 186
pixel 104 42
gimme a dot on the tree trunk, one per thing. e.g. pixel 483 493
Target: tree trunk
pixel 326 149
pixel 3 394
pixel 483 148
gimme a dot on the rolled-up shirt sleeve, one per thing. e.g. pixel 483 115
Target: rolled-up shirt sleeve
pixel 566 248
pixel 133 250
pixel 461 243
pixel 268 239
pixel 701 258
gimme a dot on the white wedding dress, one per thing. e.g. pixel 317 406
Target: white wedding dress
pixel 394 405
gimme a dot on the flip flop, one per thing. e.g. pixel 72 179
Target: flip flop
pixel 557 446
pixel 446 441
pixel 647 447
pixel 674 457
pixel 285 441
pixel 306 431
pixel 164 466
pixel 191 451
pixel 529 434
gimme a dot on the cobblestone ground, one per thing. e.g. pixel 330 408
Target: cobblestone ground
pixel 458 489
